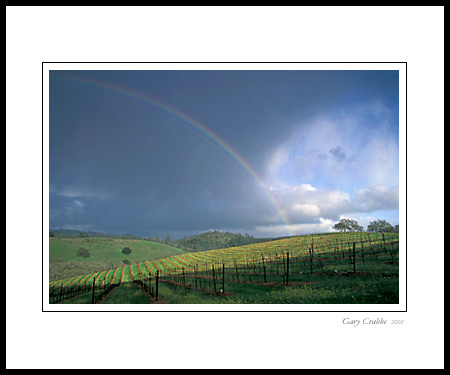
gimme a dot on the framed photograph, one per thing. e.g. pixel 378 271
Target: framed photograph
pixel 225 186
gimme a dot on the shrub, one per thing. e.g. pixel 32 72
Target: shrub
pixel 126 250
pixel 84 253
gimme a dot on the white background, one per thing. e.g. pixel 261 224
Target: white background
pixel 36 339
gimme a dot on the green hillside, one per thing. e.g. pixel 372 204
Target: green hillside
pixel 75 256
pixel 352 267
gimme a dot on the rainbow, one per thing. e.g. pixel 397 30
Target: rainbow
pixel 145 98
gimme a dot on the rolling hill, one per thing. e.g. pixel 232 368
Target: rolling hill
pixel 100 254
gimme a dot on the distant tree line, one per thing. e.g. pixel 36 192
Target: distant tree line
pixel 71 233
pixel 376 226
pixel 216 240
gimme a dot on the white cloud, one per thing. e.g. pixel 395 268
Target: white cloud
pixel 320 226
pixel 345 149
pixel 305 204
pixel 73 209
pixel 307 187
pixel 378 197
pixel 82 227
pixel 75 191
pixel 78 203
pixel 306 209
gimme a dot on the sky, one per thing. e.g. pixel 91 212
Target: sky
pixel 265 153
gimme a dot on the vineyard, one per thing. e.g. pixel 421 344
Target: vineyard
pixel 296 261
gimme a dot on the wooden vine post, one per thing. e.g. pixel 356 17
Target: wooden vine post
pixel 223 277
pixel 287 269
pixel 93 291
pixel 264 268
pixel 214 277
pixel 157 282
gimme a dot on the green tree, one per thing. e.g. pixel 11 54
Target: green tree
pixel 84 253
pixel 380 226
pixel 348 225
pixel 126 250
pixel 51 234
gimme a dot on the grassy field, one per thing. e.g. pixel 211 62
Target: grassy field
pixel 343 268
pixel 127 293
pixel 376 288
pixel 104 253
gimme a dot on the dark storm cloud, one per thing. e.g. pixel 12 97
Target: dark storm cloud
pixel 338 154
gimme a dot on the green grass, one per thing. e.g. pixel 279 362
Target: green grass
pixel 126 274
pixel 81 299
pixel 127 293
pixel 107 249
pixel 377 288
pixel 105 253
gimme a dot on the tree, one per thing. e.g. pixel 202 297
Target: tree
pixel 380 226
pixel 126 250
pixel 51 234
pixel 84 253
pixel 348 225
